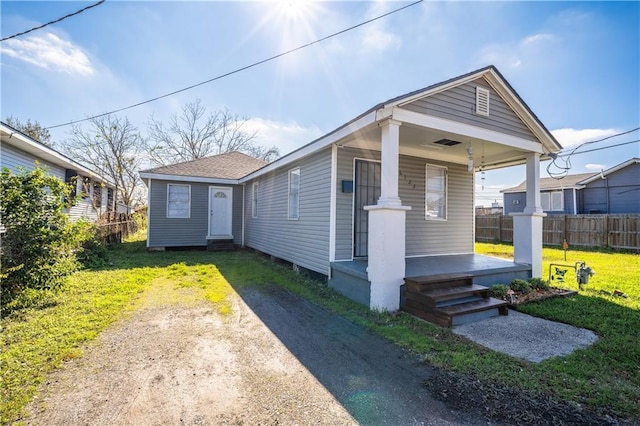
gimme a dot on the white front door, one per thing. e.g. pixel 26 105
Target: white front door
pixel 220 208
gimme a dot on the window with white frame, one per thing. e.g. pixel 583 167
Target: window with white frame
pixel 294 193
pixel 436 192
pixel 254 200
pixel 552 201
pixel 178 201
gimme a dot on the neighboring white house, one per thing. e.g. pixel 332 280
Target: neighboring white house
pixel 387 196
pixel 19 151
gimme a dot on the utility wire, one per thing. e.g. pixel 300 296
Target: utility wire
pixel 601 148
pixel 255 64
pixel 564 169
pixel 53 22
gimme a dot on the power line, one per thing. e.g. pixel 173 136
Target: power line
pixel 255 64
pixel 601 148
pixel 564 169
pixel 53 22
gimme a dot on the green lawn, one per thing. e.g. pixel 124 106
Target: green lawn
pixel 52 327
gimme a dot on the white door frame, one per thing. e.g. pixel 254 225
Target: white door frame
pixel 228 191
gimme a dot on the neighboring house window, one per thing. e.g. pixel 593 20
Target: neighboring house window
pixel 97 195
pixel 294 193
pixel 436 192
pixel 178 201
pixel 552 201
pixel 254 199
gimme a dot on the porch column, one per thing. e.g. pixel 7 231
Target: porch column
pixel 386 246
pixel 527 226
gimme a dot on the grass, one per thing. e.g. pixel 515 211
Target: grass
pixel 51 328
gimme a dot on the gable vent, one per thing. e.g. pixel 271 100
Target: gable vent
pixel 482 101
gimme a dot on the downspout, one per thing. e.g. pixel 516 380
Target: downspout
pixel 606 185
pixel 332 206
pixel 148 210
pixel 244 187
pixel 575 201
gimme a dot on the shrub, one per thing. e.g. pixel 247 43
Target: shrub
pixel 499 291
pixel 38 247
pixel 538 283
pixel 92 251
pixel 521 286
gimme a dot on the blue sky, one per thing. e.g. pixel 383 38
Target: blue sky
pixel 576 64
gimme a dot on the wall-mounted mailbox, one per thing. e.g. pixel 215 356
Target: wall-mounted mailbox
pixel 347 186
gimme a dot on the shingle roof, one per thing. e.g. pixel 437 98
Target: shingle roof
pixel 231 165
pixel 546 184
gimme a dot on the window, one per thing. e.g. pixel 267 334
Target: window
pixel 294 193
pixel 436 192
pixel 178 201
pixel 254 199
pixel 552 201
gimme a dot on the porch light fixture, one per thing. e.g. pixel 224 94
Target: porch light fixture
pixel 470 159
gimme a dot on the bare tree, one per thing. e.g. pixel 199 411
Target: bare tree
pixel 33 130
pixel 194 134
pixel 112 149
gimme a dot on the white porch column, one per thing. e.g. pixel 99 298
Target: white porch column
pixel 390 130
pixel 527 226
pixel 386 246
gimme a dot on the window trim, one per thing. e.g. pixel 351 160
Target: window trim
pixel 254 199
pixel 445 191
pixel 188 215
pixel 289 194
pixel 549 196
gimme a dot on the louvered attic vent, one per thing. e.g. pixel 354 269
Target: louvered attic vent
pixel 482 101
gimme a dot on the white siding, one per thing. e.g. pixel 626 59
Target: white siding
pixel 14 159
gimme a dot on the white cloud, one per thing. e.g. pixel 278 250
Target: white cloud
pixel 516 53
pixel 570 138
pixel 596 167
pixel 285 136
pixel 50 52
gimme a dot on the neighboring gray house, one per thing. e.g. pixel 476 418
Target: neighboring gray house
pixel 612 191
pixel 386 198
pixel 19 151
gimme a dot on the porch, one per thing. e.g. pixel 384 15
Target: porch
pixel 350 278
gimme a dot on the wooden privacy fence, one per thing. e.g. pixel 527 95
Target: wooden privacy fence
pixel 116 227
pixel 601 230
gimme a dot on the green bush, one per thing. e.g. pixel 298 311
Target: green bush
pixel 499 291
pixel 521 286
pixel 538 283
pixel 92 251
pixel 39 246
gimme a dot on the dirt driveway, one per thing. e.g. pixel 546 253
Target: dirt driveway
pixel 276 360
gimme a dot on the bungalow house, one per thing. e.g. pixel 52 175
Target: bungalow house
pixel 612 191
pixel 19 151
pixel 384 200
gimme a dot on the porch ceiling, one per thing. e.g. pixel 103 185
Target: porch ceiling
pixel 418 141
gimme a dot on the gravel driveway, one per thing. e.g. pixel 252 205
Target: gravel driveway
pixel 277 359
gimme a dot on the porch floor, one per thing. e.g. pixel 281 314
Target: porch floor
pixel 486 270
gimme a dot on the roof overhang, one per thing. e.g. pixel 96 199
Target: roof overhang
pixel 19 140
pixel 193 179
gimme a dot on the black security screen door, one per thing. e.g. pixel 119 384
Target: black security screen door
pixel 366 193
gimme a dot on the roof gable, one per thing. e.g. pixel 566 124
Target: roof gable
pixel 230 165
pixel 611 170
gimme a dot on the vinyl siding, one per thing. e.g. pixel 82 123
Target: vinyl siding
pixel 304 241
pixel 623 188
pixel 423 237
pixel 192 231
pixel 459 104
pixel 508 200
pixel 14 159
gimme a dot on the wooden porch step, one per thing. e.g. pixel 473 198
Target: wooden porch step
pixel 431 282
pixel 450 315
pixel 457 292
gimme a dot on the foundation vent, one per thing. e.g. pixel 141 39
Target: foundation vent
pixel 482 101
